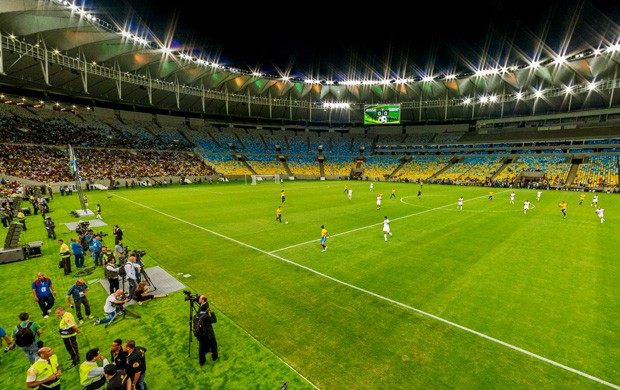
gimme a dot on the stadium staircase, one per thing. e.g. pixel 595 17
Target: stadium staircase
pixel 401 164
pixel 321 168
pixel 214 140
pixel 249 167
pixel 571 174
pixel 505 164
pixel 286 168
pixel 442 170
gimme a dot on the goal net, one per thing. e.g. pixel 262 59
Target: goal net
pixel 267 178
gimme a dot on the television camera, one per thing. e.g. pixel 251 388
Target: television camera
pixel 82 227
pixel 190 297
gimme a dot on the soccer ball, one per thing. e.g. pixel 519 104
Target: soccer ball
pixel 286 222
pixel 383 119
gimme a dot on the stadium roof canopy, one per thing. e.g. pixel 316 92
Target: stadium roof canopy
pixel 55 48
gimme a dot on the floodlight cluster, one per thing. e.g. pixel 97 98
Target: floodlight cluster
pixel 189 58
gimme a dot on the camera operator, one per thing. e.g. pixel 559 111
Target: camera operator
pixel 206 336
pixel 110 268
pixel 132 270
pixel 119 251
pixel 113 304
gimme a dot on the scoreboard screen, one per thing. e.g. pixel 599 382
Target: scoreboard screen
pixel 381 114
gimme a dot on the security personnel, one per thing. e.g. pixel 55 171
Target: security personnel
pixel 136 364
pixel 68 332
pixel 65 257
pixel 91 374
pixel 45 373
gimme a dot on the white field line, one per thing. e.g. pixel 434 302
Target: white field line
pixel 381 297
pixel 377 224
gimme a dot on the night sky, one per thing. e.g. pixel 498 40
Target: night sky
pixel 312 39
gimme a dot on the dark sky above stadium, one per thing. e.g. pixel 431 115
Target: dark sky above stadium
pixel 379 39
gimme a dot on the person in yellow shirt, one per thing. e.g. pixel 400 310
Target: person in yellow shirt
pixel 324 235
pixel 45 372
pixel 279 214
pixel 282 196
pixel 68 332
pixel 21 217
pixel 393 194
pixel 65 257
pixel 562 207
pixel 490 195
pixel 346 188
pixel 582 197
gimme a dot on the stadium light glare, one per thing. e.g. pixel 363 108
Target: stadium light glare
pixel 560 60
pixel 614 48
pixel 592 86
pixel 538 93
pixel 428 79
pixel 534 64
pixel 519 95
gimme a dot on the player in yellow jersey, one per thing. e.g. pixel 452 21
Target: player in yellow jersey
pixel 562 207
pixel 393 194
pixel 282 196
pixel 324 235
pixel 582 197
pixel 279 214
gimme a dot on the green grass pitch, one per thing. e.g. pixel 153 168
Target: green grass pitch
pixel 484 297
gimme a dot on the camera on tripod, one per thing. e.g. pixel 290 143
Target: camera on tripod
pixel 137 253
pixel 122 298
pixel 100 234
pixel 82 227
pixel 190 297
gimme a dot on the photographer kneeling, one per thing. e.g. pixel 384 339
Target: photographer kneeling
pixel 113 304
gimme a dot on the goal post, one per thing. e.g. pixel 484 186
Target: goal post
pixel 265 178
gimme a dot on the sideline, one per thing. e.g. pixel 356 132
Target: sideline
pixel 381 297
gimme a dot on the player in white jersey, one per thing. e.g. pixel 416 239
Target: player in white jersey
pixel 386 228
pixel 371 186
pixel 379 198
pixel 594 201
pixel 538 194
pixel 512 197
pixel 350 194
pixel 459 205
pixel 601 213
pixel 526 206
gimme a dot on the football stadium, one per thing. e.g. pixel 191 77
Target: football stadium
pixel 427 228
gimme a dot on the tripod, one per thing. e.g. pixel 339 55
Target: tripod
pixel 148 279
pixel 143 272
pixel 191 326
pixel 118 313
